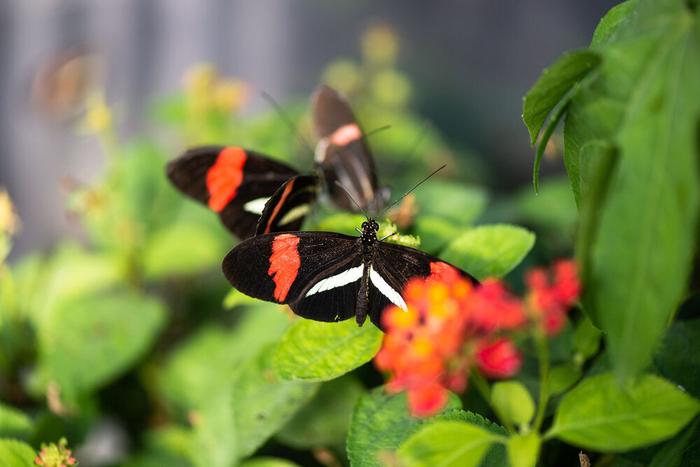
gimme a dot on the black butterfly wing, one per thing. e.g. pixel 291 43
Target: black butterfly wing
pixel 231 181
pixel 284 267
pixel 286 209
pixel 394 265
pixel 342 154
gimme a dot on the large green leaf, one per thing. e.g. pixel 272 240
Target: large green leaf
pixel 263 403
pixel 324 421
pixel 644 103
pixel 552 85
pixel 380 423
pixel 316 351
pixel 446 444
pixel 88 341
pixel 14 422
pixel 489 250
pixel 601 415
pixel 14 453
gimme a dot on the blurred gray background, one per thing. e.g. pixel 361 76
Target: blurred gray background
pixel 471 62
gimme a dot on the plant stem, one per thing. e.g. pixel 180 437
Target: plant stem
pixel 543 357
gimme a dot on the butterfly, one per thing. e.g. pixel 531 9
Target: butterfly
pixel 236 183
pixel 327 276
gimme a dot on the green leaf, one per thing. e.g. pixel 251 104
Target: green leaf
pixel 15 453
pixel 645 103
pixel 181 249
pixel 612 21
pixel 379 424
pixel 206 363
pixel 489 250
pixel 586 339
pixel 601 415
pixel 14 422
pixel 262 403
pixel 451 201
pixel 552 85
pixel 446 444
pixel 324 421
pixel 434 232
pixel 496 456
pixel 213 423
pixel 316 351
pixel 678 358
pixel 342 223
pixel 512 402
pixel 88 341
pixel 523 450
pixel 562 377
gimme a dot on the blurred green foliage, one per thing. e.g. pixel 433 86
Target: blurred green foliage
pixel 136 323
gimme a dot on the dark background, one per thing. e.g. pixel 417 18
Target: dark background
pixel 470 62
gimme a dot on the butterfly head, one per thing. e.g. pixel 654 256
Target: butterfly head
pixel 369 231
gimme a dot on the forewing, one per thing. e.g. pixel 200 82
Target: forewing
pixel 394 265
pixel 342 154
pixel 283 267
pixel 286 209
pixel 231 181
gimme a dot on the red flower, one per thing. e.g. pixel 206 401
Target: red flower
pixel 493 308
pixel 451 326
pixel 551 297
pixel 427 400
pixel 498 359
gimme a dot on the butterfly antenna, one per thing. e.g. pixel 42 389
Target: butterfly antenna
pixel 376 130
pixel 288 121
pixel 351 198
pixel 414 187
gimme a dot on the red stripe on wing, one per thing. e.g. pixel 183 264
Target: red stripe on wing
pixel 346 134
pixel 225 176
pixel 280 203
pixel 284 264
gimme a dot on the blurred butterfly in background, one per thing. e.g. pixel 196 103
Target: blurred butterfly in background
pixel 237 183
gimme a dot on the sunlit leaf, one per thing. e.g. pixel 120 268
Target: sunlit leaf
pixel 16 453
pixel 601 415
pixel 317 351
pixel 489 250
pixel 445 443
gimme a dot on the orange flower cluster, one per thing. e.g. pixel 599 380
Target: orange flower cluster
pixel 452 326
